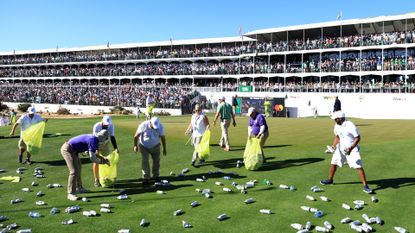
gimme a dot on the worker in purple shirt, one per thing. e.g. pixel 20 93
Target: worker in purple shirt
pixel 70 152
pixel 258 127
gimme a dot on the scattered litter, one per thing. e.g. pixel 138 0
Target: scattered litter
pixel 374 199
pixel 218 183
pixel 122 197
pixel 297 226
pixel 322 229
pixel 178 212
pixel 346 220
pixel 186 224
pixel 33 214
pixel 105 210
pixel 283 186
pixel 319 214
pixel 84 199
pixel 222 217
pixel 90 213
pixel 265 211
pixel 25 189
pixel 346 206
pixel 227 190
pixel 24 231
pixel 359 202
pixel 3 218
pixel 328 225
pixel 400 229
pixel 105 205
pixel 185 170
pixel 34 184
pixel 144 222
pixel 40 203
pixel 160 192
pixel 311 198
pixel 54 211
pixel 324 198
pixel 124 231
pixel 68 222
pixel 194 204
pixel 227 178
pixel 267 182
pixel 39 194
pixel 249 201
pixel 15 201
pixel 72 209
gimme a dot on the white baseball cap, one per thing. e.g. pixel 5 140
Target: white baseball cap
pixel 222 98
pixel 106 120
pixel 251 110
pixel 155 122
pixel 31 110
pixel 338 114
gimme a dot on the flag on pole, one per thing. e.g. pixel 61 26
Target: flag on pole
pixel 14 51
pixel 57 48
pixel 240 31
pixel 339 16
pixel 171 41
pixel 108 44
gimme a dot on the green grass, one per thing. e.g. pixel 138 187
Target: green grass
pixel 295 157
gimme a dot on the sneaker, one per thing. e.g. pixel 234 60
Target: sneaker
pixel 82 190
pixel 326 182
pixel 72 197
pixel 366 189
pixel 20 159
pixel 226 148
pixel 96 183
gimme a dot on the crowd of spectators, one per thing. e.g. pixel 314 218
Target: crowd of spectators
pixel 127 95
pixel 328 64
pixel 230 49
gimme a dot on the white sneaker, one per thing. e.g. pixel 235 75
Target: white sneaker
pixel 72 197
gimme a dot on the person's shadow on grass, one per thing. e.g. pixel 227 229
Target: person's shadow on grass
pixel 394 183
pixel 273 165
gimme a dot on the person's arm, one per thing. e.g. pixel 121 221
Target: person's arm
pixel 114 144
pixel 249 131
pixel 163 142
pixel 189 127
pixel 96 158
pixel 14 129
pixel 233 118
pixel 216 118
pixel 336 141
pixel 206 120
pixel 356 141
pixel 136 136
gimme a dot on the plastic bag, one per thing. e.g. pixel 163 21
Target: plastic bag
pixel 253 158
pixel 203 149
pixel 33 137
pixel 108 174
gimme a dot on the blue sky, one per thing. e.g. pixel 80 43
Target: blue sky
pixel 40 24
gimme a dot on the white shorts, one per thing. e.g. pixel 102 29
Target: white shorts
pixel 353 160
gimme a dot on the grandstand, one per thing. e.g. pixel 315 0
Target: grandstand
pixel 369 63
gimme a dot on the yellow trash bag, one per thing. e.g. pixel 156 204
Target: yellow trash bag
pixel 253 158
pixel 108 174
pixel 150 108
pixel 203 149
pixel 33 137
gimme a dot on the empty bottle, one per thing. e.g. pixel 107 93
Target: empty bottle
pixel 198 190
pixel 40 203
pixel 293 188
pixel 267 182
pixel 207 195
pixel 200 180
pixel 227 177
pixel 11 226
pixel 172 173
pixel 305 208
pixel 358 207
pixel 39 194
pixel 310 198
pixel 40 176
pixel 303 231
pixel 105 205
pixel 265 211
pixel 227 190
pixel 24 231
pixel 297 226
pixel 328 225
pixel 33 214
pixel 143 222
pixel 283 186
pixel 324 198
pixel 186 224
pixel 122 197
pixel 185 170
pixel 34 184
pixel 359 202
pixel 218 183
pixel 366 227
pixel 72 209
pixel 25 189
pixel 84 199
pixel 346 206
pixel 194 204
pixel 105 210
pixel 321 229
pixel 317 189
pixel 222 217
pixel 308 226
pixel 249 201
pixel 234 184
pixel 318 214
pixel 54 211
pixel 68 222
pixel 239 163
pixel 356 227
pixel 346 220
pixel 374 199
pixel 379 220
pixel 160 192
pixel 3 218
pixel 204 191
pixel 178 212
pixel 124 231
pixel 400 229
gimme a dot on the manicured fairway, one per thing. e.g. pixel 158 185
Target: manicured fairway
pixel 295 157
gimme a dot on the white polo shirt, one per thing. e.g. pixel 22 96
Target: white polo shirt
pixel 346 132
pixel 198 125
pixel 25 121
pixel 98 127
pixel 149 137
